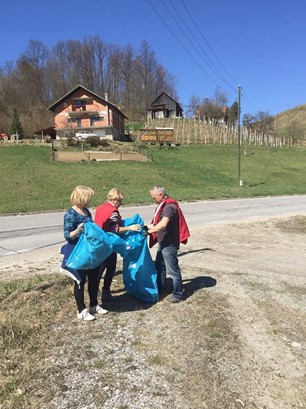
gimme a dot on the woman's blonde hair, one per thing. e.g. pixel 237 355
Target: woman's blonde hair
pixel 115 194
pixel 81 195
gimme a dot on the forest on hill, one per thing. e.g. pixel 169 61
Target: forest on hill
pixel 131 78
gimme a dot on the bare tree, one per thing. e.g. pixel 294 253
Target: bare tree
pixel 132 79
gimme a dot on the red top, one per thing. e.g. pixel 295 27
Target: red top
pixel 107 216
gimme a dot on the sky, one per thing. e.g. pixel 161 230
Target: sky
pixel 205 44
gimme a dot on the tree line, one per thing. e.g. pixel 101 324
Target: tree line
pixel 131 78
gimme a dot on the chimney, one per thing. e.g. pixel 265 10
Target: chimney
pixel 105 96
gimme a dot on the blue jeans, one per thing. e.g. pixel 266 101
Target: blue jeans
pixel 166 264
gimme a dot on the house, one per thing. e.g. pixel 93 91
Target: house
pixel 43 133
pixel 164 107
pixel 81 109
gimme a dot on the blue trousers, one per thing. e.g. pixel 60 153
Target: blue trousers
pixel 166 264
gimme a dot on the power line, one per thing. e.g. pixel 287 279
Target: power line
pixel 206 42
pixel 185 49
pixel 206 59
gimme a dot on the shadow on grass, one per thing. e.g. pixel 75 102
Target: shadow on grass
pixel 123 301
pixel 198 283
pixel 126 303
pixel 183 253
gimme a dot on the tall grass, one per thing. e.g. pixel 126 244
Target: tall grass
pixel 32 182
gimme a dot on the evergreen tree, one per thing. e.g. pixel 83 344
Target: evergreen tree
pixel 16 127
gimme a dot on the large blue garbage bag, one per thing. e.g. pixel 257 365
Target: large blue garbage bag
pixel 119 244
pixel 92 248
pixel 139 273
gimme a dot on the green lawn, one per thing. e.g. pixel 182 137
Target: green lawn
pixel 32 182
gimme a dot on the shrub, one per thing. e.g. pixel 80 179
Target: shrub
pixel 104 143
pixel 93 141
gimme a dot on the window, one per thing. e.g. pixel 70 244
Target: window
pixel 95 118
pixel 80 104
pixel 75 120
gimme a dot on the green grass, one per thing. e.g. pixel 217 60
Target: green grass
pixel 32 182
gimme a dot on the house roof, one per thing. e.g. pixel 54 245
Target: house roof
pixel 163 93
pixel 77 88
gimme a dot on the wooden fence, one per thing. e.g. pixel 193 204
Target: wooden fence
pixel 191 131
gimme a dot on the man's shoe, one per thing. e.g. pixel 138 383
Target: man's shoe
pixel 97 310
pixel 172 298
pixel 85 315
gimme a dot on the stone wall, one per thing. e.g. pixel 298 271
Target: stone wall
pixel 87 156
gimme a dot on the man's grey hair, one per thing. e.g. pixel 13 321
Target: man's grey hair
pixel 159 189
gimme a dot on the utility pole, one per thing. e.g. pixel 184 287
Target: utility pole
pixel 238 137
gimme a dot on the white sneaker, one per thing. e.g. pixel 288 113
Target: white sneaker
pixel 97 310
pixel 85 315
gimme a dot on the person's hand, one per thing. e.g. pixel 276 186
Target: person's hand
pixel 80 228
pixel 135 227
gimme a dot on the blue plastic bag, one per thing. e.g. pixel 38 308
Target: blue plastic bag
pixel 139 273
pixel 92 248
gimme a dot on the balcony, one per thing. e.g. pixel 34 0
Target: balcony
pixel 82 110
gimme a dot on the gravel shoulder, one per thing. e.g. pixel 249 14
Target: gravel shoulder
pixel 237 341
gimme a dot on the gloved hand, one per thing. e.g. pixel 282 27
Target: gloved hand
pixel 135 227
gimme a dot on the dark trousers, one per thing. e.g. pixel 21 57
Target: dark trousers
pixel 93 277
pixel 109 265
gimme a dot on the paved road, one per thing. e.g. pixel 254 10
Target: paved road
pixel 22 233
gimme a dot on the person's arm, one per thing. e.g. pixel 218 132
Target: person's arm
pixel 70 232
pixel 132 227
pixel 115 224
pixel 161 225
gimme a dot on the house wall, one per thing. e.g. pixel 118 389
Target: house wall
pixel 171 110
pixel 66 112
pixel 96 116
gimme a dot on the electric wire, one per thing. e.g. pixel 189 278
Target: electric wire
pixel 206 42
pixel 206 59
pixel 185 49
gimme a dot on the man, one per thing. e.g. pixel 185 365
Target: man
pixel 169 229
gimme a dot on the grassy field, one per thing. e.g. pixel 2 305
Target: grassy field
pixel 31 182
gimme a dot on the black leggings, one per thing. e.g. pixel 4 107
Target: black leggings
pixel 93 278
pixel 110 265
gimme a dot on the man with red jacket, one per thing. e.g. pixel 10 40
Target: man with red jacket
pixel 169 229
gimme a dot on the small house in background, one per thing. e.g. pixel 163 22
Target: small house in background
pixel 83 110
pixel 164 107
pixel 45 133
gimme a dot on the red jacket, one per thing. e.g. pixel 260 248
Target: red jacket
pixel 103 214
pixel 183 227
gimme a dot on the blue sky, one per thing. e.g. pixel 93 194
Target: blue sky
pixel 257 44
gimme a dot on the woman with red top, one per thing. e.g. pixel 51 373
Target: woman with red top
pixel 108 218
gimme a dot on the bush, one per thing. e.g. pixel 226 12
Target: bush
pixel 104 143
pixel 93 141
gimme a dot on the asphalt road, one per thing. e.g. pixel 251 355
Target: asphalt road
pixel 23 233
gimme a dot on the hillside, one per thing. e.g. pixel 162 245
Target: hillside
pixel 292 120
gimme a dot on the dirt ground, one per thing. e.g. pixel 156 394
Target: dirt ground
pixel 237 341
